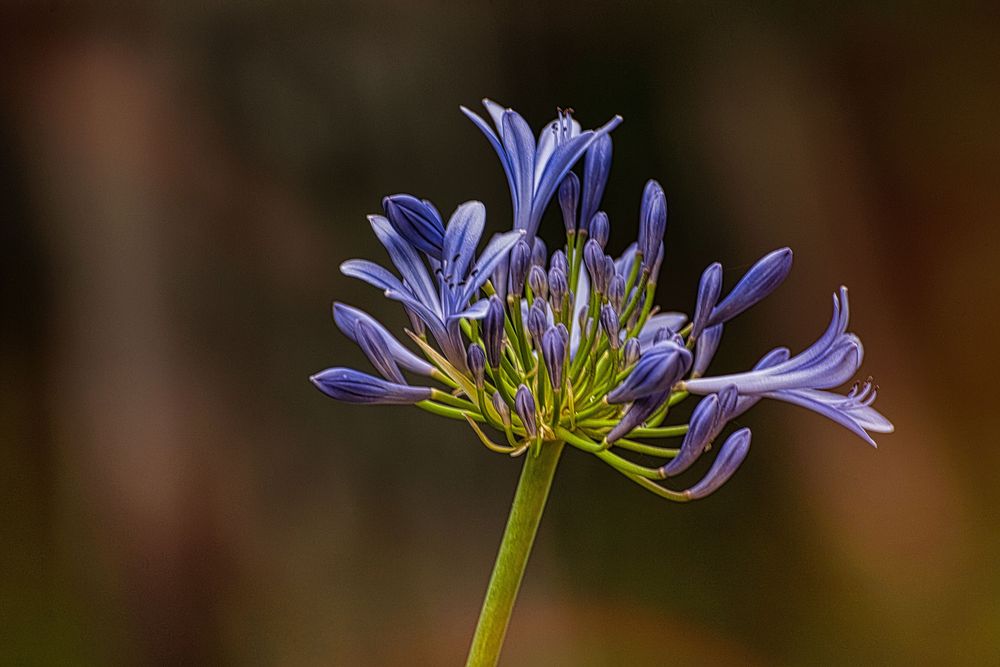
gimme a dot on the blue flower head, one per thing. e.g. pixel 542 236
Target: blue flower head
pixel 571 347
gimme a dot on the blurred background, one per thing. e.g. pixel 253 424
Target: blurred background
pixel 181 182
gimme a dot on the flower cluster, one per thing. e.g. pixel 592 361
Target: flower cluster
pixel 570 347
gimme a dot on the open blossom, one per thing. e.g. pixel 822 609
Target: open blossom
pixel 531 348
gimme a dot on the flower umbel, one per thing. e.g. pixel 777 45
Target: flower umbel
pixel 572 348
pixel 537 352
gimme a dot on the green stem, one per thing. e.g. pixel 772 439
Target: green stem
pixel 525 515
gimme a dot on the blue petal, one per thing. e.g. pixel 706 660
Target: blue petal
pixel 407 262
pixel 373 274
pixel 731 455
pixel 351 386
pixel 520 147
pixel 476 311
pixel 497 146
pixel 460 240
pixel 493 254
pixel 372 343
pixel 347 319
pixel 809 402
pixel 671 321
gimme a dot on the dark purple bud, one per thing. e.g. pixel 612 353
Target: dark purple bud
pixel 374 346
pixel 569 196
pixel 654 272
pixel 698 437
pixel 524 405
pixel 705 349
pixel 493 331
pixel 416 221
pixel 539 253
pixel 637 414
pixel 616 291
pixel 664 334
pixel 475 358
pixel 658 369
pixel 520 262
pixel 730 457
pixel 652 221
pixel 611 325
pixel 559 261
pixel 631 351
pixel 708 295
pixel 538 321
pixel 595 176
pixel 538 282
pixel 600 228
pixel 558 288
pixel 593 257
pixel 554 355
pixel 501 407
pixel 351 386
pixel 609 272
pixel 762 279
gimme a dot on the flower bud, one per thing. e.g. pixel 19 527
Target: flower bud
pixel 698 437
pixel 524 405
pixel 559 261
pixel 652 221
pixel 351 386
pixel 539 253
pixel 595 176
pixel 475 358
pixel 611 325
pixel 501 407
pixel 731 455
pixel 600 229
pixel 554 355
pixel 705 349
pixel 658 369
pixel 569 196
pixel 616 291
pixel 558 287
pixel 630 351
pixel 762 279
pixel 593 257
pixel 374 346
pixel 493 331
pixel 520 262
pixel 416 221
pixel 708 295
pixel 538 321
pixel 538 282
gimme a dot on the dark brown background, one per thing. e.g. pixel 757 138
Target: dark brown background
pixel 181 183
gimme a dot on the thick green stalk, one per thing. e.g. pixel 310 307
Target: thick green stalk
pixel 522 524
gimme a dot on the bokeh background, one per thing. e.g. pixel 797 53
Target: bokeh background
pixel 181 182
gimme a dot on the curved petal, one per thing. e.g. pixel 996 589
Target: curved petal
pixel 372 273
pixel 407 261
pixel 461 237
pixel 347 319
pixel 493 254
pixel 494 140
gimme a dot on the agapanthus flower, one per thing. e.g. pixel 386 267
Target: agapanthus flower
pixel 571 347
